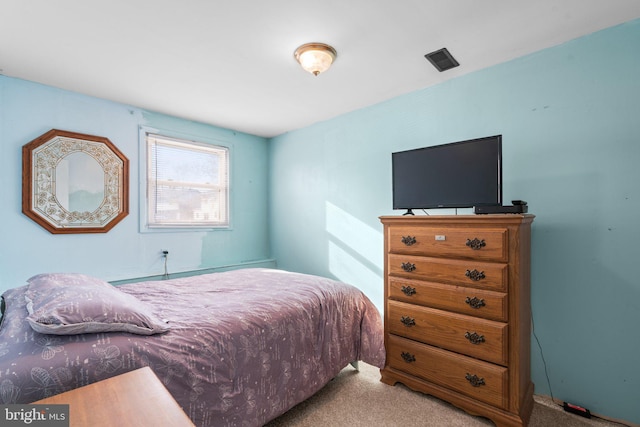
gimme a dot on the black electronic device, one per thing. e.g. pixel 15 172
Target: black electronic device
pixel 460 174
pixel 575 409
pixel 498 209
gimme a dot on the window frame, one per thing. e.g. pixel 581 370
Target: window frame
pixel 144 199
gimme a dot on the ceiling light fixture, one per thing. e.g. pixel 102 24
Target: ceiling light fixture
pixel 315 58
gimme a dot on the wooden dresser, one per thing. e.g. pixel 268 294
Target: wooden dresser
pixel 457 311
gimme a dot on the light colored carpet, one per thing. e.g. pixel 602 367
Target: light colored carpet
pixel 358 398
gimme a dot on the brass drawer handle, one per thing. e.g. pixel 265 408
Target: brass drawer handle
pixel 476 244
pixel 474 338
pixel 475 275
pixel 475 302
pixel 408 240
pixel 474 380
pixel 408 357
pixel 408 321
pixel 408 290
pixel 408 267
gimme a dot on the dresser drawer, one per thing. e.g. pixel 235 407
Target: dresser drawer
pixel 475 243
pixel 471 301
pixel 480 380
pixel 481 338
pixel 483 275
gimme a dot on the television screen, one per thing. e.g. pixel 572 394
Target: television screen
pixel 457 175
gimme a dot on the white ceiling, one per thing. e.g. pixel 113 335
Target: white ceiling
pixel 230 62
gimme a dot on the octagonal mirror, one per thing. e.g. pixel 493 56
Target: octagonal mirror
pixel 74 183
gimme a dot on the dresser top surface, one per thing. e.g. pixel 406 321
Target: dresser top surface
pixel 463 219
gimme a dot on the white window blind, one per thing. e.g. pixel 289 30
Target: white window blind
pixel 187 183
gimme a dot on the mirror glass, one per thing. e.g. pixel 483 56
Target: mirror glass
pixel 79 183
pixel 74 183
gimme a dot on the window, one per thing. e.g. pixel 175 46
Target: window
pixel 187 183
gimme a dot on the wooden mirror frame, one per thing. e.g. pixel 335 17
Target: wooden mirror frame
pixel 40 159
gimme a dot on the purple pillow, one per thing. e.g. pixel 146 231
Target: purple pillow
pixel 69 304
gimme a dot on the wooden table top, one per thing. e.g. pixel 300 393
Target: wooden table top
pixel 133 399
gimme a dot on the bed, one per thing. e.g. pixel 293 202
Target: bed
pixel 236 348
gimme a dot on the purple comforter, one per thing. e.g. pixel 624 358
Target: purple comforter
pixel 244 346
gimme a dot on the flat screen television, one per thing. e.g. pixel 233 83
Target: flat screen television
pixel 461 174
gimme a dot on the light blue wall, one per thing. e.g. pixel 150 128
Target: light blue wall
pixel 570 118
pixel 27 110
